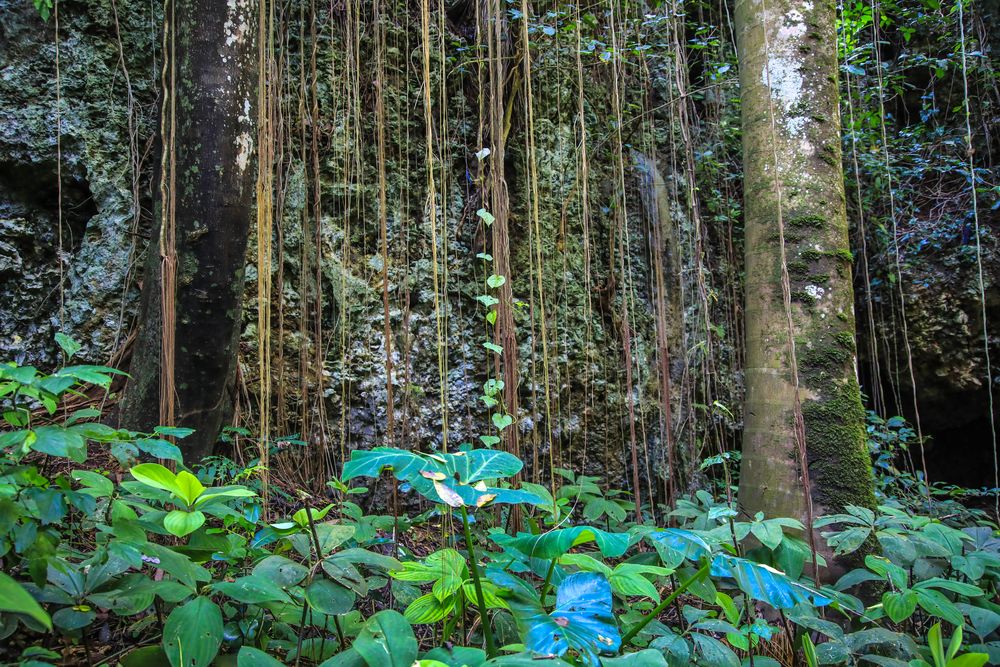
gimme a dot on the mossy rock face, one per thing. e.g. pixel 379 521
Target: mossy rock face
pixel 98 227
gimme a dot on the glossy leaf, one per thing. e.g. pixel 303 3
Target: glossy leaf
pixel 253 589
pixel 13 598
pixel 582 619
pixel 329 597
pixel 252 657
pixel 556 543
pixel 899 606
pixel 181 523
pixel 765 583
pixel 193 633
pixel 387 641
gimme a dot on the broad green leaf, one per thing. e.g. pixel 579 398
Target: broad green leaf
pixel 959 587
pixel 495 281
pixel 938 606
pixel 95 484
pixel 159 448
pixel 60 441
pixel 582 619
pixel 214 493
pixel 768 532
pixel 68 619
pixel 147 656
pixel 14 599
pixel 281 571
pixel 387 641
pixel 556 543
pixel 188 487
pixel 644 658
pixel 173 431
pixel 329 597
pixel 428 609
pixel 131 595
pixel 193 633
pixel 181 523
pixel 253 657
pixel 677 545
pixel 765 583
pixel 457 656
pixel 253 589
pixel 714 652
pixel 899 606
pixel 156 476
pixel 67 344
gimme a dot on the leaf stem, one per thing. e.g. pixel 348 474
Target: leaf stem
pixel 548 580
pixel 491 647
pixel 637 628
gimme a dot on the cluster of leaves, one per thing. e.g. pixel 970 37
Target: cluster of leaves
pixel 187 568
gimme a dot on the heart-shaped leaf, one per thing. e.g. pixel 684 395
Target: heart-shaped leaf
pixel 899 606
pixel 181 523
pixel 582 619
pixel 502 421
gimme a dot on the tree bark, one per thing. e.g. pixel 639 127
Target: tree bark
pixel 794 188
pixel 211 100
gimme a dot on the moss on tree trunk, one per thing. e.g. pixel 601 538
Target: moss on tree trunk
pixel 793 173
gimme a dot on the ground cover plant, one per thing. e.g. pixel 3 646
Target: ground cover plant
pixel 162 564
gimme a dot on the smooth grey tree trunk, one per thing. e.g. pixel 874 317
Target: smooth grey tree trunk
pixel 793 176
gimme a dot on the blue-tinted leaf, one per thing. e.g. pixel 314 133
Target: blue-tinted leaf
pixel 582 620
pixel 765 583
pixel 677 545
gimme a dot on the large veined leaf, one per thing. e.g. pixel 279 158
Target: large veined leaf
pixel 281 571
pixel 253 589
pixel 405 465
pixel 13 598
pixel 476 465
pixel 582 620
pixel 329 597
pixel 765 583
pixel 456 479
pixel 181 523
pixel 646 658
pixel 428 609
pixel 457 656
pixel 387 641
pixel 253 657
pixel 677 545
pixel 193 633
pixel 556 543
pixel 60 441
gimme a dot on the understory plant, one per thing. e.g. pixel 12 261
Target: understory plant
pixel 188 567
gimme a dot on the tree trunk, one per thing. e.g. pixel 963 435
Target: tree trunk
pixel 798 269
pixel 208 187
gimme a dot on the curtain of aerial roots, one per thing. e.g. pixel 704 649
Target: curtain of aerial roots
pixel 408 153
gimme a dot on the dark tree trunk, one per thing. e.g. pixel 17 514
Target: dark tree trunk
pixel 211 102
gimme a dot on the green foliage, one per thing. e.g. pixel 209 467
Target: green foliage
pixel 185 556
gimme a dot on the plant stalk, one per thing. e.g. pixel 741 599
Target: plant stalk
pixel 491 647
pixel 637 628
